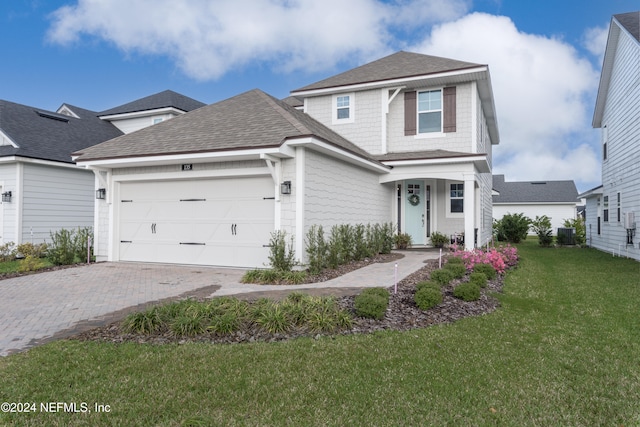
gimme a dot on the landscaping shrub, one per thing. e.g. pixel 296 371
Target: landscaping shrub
pixel 542 227
pixel 7 252
pixel 402 241
pixel 81 240
pixel 467 291
pixel 372 303
pixel 432 285
pixel 187 325
pixel 485 269
pixel 62 250
pixel 455 260
pixel 29 249
pixel 442 276
pixel 427 297
pixel 512 227
pixel 30 263
pixel 316 249
pixel 143 322
pixel 360 245
pixel 438 239
pixel 273 318
pixel 281 252
pixel 581 230
pixel 458 270
pixel 499 258
pixel 384 233
pixel 479 279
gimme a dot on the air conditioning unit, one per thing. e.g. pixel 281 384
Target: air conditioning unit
pixel 629 221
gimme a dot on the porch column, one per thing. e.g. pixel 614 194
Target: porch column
pixel 469 210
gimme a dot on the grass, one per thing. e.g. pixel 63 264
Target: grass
pixel 14 266
pixel 564 349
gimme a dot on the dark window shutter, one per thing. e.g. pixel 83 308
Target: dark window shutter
pixel 449 109
pixel 410 113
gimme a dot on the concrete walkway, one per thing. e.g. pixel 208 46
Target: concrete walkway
pixel 40 307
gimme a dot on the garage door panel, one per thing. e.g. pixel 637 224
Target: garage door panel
pixel 223 222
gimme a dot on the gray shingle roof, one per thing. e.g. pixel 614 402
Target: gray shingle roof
pixel 423 155
pixel 48 135
pixel 167 98
pixel 398 65
pixel 630 21
pixel 253 119
pixel 534 191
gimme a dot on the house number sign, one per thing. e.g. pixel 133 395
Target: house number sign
pixel 187 167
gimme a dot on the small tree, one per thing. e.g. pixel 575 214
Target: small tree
pixel 542 227
pixel 512 227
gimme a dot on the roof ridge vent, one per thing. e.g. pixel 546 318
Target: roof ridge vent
pixel 538 182
pixel 52 116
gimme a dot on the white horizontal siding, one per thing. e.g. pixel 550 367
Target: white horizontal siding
pixel 9 209
pixel 621 169
pixel 54 198
pixel 134 124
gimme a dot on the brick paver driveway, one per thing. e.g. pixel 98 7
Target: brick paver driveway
pixel 36 307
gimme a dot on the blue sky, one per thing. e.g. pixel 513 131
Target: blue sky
pixel 544 56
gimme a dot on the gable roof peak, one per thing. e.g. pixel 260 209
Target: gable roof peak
pixel 164 99
pixel 398 65
pixel 631 22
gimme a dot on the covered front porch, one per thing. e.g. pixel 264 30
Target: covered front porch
pixel 452 198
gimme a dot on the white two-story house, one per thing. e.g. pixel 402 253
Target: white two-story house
pixel 613 208
pixel 405 139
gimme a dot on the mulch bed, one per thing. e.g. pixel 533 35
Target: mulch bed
pixel 402 313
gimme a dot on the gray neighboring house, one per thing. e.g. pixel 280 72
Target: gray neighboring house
pixel 613 208
pixel 42 188
pixel 405 139
pixel 556 199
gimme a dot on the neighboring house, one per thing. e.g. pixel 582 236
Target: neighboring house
pixel 613 208
pixel 43 190
pixel 405 139
pixel 556 199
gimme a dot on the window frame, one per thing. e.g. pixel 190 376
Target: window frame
pixel 335 108
pixel 439 132
pixel 605 208
pixel 459 188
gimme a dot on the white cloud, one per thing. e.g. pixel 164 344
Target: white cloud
pixel 210 38
pixel 543 90
pixel 595 41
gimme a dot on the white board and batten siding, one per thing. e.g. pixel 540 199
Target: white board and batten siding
pixel 54 198
pixel 8 216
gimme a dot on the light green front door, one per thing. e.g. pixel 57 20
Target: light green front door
pixel 415 214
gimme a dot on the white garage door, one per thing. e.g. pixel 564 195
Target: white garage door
pixel 226 222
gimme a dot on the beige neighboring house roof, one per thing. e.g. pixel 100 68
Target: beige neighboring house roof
pixel 251 120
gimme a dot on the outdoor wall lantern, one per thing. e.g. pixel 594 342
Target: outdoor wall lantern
pixel 285 187
pixel 6 196
pixel 101 193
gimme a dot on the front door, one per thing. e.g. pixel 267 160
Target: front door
pixel 415 212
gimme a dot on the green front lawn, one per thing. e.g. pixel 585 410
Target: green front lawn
pixel 564 349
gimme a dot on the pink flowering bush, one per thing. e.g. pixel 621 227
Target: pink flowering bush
pixel 499 258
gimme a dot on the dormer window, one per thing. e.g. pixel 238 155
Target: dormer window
pixel 157 120
pixel 343 108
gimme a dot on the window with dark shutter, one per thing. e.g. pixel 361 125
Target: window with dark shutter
pixel 449 109
pixel 410 114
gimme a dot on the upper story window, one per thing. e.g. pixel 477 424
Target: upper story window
pixel 157 120
pixel 430 111
pixel 605 202
pixel 343 108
